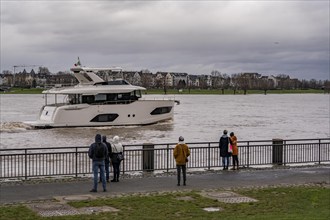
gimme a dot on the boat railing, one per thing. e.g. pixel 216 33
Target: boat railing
pixel 58 104
pixel 114 102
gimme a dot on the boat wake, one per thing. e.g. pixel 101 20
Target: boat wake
pixel 12 127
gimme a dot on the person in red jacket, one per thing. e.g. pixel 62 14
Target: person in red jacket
pixel 181 153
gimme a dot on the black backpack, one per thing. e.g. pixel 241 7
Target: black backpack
pixel 99 151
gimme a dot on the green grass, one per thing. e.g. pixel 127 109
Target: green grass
pixel 310 202
pixel 23 91
pixel 231 92
pixel 186 91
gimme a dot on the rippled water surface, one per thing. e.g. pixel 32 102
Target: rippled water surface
pixel 197 118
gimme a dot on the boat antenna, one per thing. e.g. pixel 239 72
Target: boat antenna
pixel 78 63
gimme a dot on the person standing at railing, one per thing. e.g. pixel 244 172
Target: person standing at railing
pixel 117 148
pixel 107 159
pixel 181 153
pixel 233 142
pixel 224 147
pixel 97 152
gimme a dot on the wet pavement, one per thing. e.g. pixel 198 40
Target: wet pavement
pixel 27 192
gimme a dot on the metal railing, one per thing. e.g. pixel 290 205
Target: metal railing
pixel 74 161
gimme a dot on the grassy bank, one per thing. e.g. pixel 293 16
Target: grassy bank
pixel 231 92
pixel 23 91
pixel 186 91
pixel 300 202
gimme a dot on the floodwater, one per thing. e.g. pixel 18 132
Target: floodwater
pixel 199 118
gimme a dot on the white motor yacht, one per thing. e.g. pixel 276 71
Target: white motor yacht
pixel 96 102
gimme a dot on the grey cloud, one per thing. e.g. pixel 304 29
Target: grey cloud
pixel 194 37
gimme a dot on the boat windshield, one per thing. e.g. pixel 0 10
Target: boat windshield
pixel 114 82
pixel 97 99
pixel 112 98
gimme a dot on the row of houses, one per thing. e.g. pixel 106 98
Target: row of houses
pixel 149 80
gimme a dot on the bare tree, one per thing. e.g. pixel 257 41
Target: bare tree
pixel 146 79
pixel 234 84
pixel 203 82
pixel 243 82
pixel 266 84
pixel 43 70
pixel 327 86
pixel 7 72
pixel 283 81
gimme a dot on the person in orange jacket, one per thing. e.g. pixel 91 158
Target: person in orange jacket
pixel 181 153
pixel 233 142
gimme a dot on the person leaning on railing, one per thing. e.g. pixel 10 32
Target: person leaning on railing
pixel 116 148
pixel 233 142
pixel 224 147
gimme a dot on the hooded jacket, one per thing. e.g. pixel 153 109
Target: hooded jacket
pixel 223 145
pixel 181 152
pixel 91 151
pixel 104 140
pixel 233 142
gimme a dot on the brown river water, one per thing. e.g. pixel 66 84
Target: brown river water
pixel 199 118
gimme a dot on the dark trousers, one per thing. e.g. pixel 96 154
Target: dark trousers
pixel 235 160
pixel 184 174
pixel 116 170
pixel 107 170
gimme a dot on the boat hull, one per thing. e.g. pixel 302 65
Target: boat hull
pixel 140 112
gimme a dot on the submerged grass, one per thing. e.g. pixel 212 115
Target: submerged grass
pixel 310 202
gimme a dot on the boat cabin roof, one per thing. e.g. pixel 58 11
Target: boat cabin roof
pixel 116 86
pixel 91 69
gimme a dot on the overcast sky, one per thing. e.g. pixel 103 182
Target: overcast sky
pixel 196 37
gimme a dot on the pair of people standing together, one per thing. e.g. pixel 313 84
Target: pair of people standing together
pixel 102 153
pixel 228 147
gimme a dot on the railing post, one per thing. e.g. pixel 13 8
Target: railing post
pixel 25 164
pixel 123 162
pixel 148 157
pixel 284 153
pixel 319 151
pixel 76 162
pixel 277 155
pixel 168 157
pixel 209 156
pixel 248 154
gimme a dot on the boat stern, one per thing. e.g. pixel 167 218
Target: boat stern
pixel 45 119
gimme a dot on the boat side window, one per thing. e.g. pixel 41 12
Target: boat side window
pixel 89 99
pixel 161 110
pixel 74 99
pixel 100 98
pixel 135 95
pixel 126 96
pixel 111 97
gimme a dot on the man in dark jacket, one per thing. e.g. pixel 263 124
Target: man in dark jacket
pixel 97 152
pixel 107 159
pixel 223 145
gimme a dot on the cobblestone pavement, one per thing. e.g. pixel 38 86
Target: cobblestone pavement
pixel 48 190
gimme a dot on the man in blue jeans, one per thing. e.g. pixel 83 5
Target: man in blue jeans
pixel 98 152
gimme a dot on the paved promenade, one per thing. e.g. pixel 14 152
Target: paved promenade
pixel 29 192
